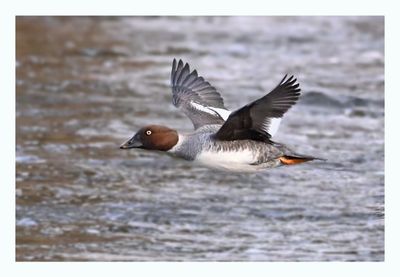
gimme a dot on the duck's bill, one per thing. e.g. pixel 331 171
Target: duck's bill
pixel 131 143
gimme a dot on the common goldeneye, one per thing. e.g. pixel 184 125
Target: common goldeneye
pixel 234 141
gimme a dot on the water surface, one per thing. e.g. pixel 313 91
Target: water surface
pixel 84 85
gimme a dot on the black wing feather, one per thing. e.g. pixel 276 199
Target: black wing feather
pixel 189 89
pixel 253 120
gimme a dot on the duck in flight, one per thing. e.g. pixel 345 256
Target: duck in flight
pixel 237 141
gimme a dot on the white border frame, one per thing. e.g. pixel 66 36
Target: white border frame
pixel 204 7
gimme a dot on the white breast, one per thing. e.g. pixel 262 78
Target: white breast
pixel 228 160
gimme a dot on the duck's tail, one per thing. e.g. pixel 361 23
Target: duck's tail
pixel 297 159
pixel 290 157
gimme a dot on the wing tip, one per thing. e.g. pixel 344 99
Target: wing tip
pixel 291 84
pixel 286 80
pixel 177 69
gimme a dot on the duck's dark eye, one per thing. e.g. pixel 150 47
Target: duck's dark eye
pixel 148 132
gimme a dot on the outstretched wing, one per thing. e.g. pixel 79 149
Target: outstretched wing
pixel 259 120
pixel 196 97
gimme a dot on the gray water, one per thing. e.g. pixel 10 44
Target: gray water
pixel 84 85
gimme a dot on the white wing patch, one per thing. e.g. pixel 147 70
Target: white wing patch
pixel 224 114
pixel 201 107
pixel 270 125
pixel 274 126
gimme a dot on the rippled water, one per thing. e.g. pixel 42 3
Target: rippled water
pixel 84 85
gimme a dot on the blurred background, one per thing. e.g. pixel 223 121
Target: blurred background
pixel 86 84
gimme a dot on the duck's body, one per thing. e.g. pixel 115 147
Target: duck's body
pixel 233 141
pixel 238 155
